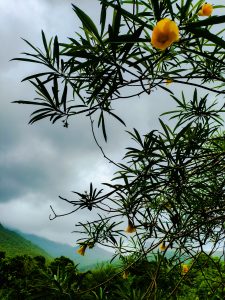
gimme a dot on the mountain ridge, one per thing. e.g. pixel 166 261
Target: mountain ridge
pixel 55 249
pixel 12 243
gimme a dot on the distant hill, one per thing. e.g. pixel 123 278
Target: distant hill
pixel 92 256
pixel 14 244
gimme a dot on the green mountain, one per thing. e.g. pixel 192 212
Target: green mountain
pixel 92 256
pixel 14 244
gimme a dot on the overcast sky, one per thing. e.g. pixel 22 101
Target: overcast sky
pixel 39 162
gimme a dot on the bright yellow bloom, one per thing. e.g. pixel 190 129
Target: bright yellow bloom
pixel 164 34
pixel 162 247
pixel 185 269
pixel 125 274
pixel 82 249
pixel 169 81
pixel 206 10
pixel 130 228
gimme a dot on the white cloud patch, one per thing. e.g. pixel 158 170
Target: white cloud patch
pixel 42 161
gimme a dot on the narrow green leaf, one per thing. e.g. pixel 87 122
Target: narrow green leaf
pixel 170 8
pixel 35 49
pixel 204 33
pixel 116 22
pixel 56 118
pixel 56 51
pixel 182 133
pixel 40 86
pixel 37 75
pixel 40 117
pixel 118 118
pixel 32 103
pixel 102 122
pixel 129 15
pixel 103 18
pixel 41 110
pixel 127 47
pixel 166 130
pixel 45 44
pixel 185 9
pixel 27 60
pixel 155 7
pixel 86 21
pixel 208 21
pixel 64 97
pixel 55 90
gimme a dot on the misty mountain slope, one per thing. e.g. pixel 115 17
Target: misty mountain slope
pixel 55 249
pixel 14 244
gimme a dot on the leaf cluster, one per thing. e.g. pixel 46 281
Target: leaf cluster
pixel 117 60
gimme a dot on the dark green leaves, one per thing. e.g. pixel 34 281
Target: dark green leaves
pixel 170 8
pixel 185 9
pixel 102 66
pixel 86 21
pixel 52 106
pixel 206 34
pixel 196 110
pixel 156 10
pixel 45 45
pixel 103 18
pixel 128 46
pixel 128 15
pixel 208 21
pixel 56 51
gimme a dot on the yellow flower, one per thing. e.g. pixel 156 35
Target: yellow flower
pixel 130 228
pixel 164 34
pixel 206 10
pixel 169 81
pixel 125 274
pixel 82 249
pixel 162 247
pixel 185 269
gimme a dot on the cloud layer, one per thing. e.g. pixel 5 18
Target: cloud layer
pixel 42 161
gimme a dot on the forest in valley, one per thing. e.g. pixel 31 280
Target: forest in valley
pixel 24 278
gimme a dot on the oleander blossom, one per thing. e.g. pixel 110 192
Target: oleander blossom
pixel 125 274
pixel 164 34
pixel 185 269
pixel 130 228
pixel 162 246
pixel 169 81
pixel 81 250
pixel 206 10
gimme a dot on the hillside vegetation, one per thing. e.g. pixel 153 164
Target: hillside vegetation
pixel 14 244
pixel 24 277
pixel 55 249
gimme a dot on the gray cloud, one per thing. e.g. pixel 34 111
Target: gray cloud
pixel 42 161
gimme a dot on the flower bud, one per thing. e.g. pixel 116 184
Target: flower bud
pixel 206 10
pixel 130 228
pixel 81 250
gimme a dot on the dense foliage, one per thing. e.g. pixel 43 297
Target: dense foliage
pixel 170 188
pixel 14 244
pixel 23 278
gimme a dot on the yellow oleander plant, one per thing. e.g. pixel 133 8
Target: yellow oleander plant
pixel 137 48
